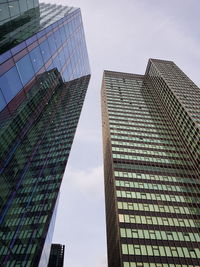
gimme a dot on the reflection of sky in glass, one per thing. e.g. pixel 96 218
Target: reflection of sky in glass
pixel 25 69
pixel 10 85
pixel 62 43
pixel 36 59
pixel 21 19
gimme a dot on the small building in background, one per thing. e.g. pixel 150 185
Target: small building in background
pixel 56 258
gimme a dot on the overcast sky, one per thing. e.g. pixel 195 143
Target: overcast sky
pixel 121 36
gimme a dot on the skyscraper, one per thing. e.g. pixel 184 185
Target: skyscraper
pixel 151 140
pixel 56 258
pixel 44 78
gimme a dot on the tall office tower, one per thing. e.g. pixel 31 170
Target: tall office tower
pixel 44 78
pixel 56 258
pixel 151 139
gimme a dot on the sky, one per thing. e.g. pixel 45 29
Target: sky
pixel 120 36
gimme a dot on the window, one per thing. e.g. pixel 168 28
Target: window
pixel 137 250
pixel 134 233
pixel 4 13
pixel 52 44
pixel 23 5
pixel 2 102
pixel 10 84
pixel 36 58
pixel 130 250
pixel 14 8
pixel 155 250
pixel 45 51
pixel 25 69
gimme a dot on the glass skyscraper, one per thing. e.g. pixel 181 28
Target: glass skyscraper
pixel 151 140
pixel 56 258
pixel 44 77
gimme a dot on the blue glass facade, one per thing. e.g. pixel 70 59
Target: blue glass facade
pixel 43 83
pixel 60 45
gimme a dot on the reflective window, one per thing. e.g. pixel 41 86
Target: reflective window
pixel 57 63
pixel 57 38
pixel 10 84
pixel 45 50
pixel 48 29
pixel 5 56
pixel 67 30
pixel 30 4
pixel 66 51
pixel 14 8
pixel 69 71
pixel 40 33
pixel 65 75
pixel 52 44
pixel 62 58
pixel 63 34
pixel 18 48
pixel 36 58
pixel 31 39
pixel 50 67
pixel 4 12
pixel 25 69
pixel 70 27
pixel 2 101
pixel 23 5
